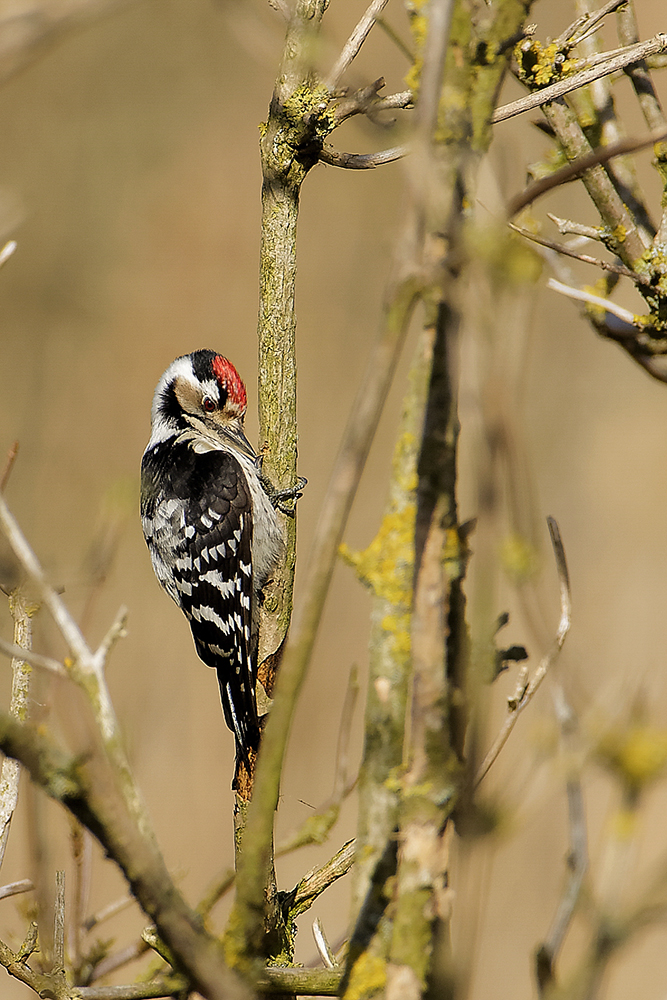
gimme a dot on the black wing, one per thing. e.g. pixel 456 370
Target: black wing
pixel 211 566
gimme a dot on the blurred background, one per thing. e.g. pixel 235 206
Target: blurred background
pixel 130 178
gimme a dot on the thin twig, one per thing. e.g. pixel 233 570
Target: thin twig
pixel 323 946
pixel 344 731
pixel 9 465
pixel 354 43
pixel 14 888
pixel 34 659
pixel 578 166
pixel 91 667
pixel 595 300
pixel 366 102
pixel 361 161
pixel 117 630
pixel 108 911
pixel 120 958
pixel 580 28
pixel 526 696
pixel 628 56
pixel 605 265
pixel 59 924
pixel 567 227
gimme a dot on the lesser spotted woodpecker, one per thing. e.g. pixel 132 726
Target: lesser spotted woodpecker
pixel 210 526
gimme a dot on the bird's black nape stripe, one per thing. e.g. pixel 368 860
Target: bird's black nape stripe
pixel 202 362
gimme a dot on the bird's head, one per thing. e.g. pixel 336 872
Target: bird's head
pixel 202 396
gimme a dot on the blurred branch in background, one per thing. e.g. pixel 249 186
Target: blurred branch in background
pixel 29 27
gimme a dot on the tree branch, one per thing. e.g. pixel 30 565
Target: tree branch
pixel 22 613
pixel 615 63
pixel 354 43
pixel 361 161
pixel 587 159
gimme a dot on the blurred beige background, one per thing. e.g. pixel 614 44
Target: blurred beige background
pixel 129 175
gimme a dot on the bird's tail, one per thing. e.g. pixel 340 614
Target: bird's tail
pixel 240 714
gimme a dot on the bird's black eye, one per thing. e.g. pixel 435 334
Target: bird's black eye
pixel 209 404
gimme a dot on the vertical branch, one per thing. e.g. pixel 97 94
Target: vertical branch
pixel 285 162
pixel 387 567
pixel 286 159
pixel 59 924
pixel 449 136
pixel 22 613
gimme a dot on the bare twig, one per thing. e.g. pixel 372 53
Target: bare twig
pixel 595 300
pixel 366 102
pixel 628 56
pixel 117 630
pixel 316 881
pixel 35 659
pixel 361 161
pixel 119 958
pixel 569 227
pixel 59 924
pixel 11 458
pixel 579 166
pixel 396 39
pixel 605 265
pixel 108 911
pixel 323 946
pixel 88 666
pixel 354 43
pixel 526 696
pixel 14 888
pixel 581 28
pixel 343 744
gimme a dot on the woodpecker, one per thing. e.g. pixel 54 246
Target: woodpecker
pixel 210 525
